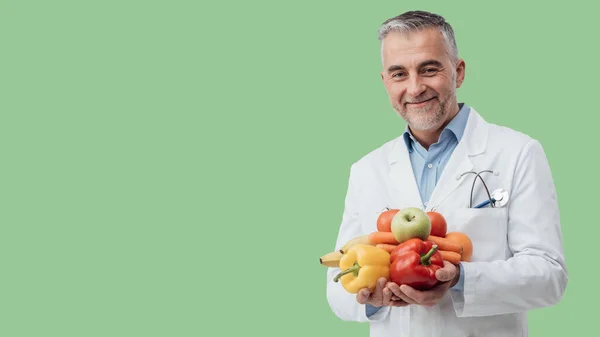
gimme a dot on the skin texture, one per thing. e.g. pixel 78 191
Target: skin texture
pixel 390 294
pixel 417 68
pixel 448 276
pixel 382 295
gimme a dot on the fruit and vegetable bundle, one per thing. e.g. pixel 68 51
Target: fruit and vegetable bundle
pixel 409 246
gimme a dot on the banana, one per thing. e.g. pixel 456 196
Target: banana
pixel 363 239
pixel 331 259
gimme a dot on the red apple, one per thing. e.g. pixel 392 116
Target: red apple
pixel 438 224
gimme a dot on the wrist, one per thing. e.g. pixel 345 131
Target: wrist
pixel 456 277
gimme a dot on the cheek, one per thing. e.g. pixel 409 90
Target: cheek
pixel 394 90
pixel 442 85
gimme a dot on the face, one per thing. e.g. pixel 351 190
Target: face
pixel 420 78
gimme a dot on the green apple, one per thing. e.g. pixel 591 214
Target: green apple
pixel 411 223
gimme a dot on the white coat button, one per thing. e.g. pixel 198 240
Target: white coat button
pixel 430 166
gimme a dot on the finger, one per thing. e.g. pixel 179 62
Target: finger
pixel 382 282
pixel 417 296
pixel 387 296
pixel 380 285
pixel 446 273
pixel 395 290
pixel 376 294
pixel 363 296
pixel 398 293
pixel 427 297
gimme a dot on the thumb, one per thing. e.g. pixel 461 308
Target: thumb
pixel 447 273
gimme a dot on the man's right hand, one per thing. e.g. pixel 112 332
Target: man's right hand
pixel 381 296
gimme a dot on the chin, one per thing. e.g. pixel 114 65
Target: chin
pixel 430 122
pixel 423 127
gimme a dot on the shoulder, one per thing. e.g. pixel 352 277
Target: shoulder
pixel 511 144
pixel 377 158
pixel 505 137
pixel 508 136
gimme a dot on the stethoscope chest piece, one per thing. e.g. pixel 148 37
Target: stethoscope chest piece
pixel 500 197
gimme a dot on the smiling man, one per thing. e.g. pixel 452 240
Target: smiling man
pixel 421 74
pixel 517 263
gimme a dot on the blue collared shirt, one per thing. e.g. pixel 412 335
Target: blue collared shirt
pixel 428 165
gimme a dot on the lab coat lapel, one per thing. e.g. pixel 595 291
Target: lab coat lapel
pixel 449 181
pixel 404 186
pixel 472 143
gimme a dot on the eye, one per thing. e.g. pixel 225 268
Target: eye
pixel 430 71
pixel 398 75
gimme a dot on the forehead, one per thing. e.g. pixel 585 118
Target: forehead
pixel 406 49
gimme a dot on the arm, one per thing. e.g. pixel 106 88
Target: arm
pixel 536 275
pixel 343 304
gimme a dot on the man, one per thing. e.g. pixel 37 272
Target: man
pixel 517 263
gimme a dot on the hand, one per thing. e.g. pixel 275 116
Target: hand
pixel 381 296
pixel 448 276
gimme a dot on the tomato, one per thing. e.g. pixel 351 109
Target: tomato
pixel 438 224
pixel 384 222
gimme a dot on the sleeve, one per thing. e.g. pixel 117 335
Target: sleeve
pixel 459 286
pixel 535 275
pixel 371 310
pixel 342 303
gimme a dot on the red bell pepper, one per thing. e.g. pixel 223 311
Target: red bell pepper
pixel 414 263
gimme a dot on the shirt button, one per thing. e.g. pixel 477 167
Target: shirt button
pixel 429 165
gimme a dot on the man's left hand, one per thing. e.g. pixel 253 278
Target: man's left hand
pixel 448 276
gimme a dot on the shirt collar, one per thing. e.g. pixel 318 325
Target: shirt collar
pixel 456 127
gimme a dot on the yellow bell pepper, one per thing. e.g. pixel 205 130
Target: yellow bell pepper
pixel 362 266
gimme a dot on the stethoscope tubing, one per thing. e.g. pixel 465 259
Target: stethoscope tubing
pixel 478 175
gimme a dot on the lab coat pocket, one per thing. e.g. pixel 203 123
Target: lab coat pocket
pixel 487 229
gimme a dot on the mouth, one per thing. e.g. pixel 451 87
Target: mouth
pixel 420 103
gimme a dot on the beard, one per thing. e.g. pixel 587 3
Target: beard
pixel 424 118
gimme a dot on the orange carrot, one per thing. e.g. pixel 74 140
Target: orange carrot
pixel 387 247
pixel 452 257
pixel 445 244
pixel 464 242
pixel 382 237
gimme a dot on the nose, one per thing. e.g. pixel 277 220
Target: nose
pixel 415 87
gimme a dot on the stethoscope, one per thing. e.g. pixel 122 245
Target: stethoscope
pixel 498 198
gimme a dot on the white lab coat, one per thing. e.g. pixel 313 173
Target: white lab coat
pixel 517 264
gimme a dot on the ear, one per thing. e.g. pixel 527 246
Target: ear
pixel 460 72
pixel 381 73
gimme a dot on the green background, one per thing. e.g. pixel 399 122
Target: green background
pixel 175 168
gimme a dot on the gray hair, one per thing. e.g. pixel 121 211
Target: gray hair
pixel 418 20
